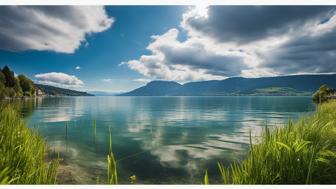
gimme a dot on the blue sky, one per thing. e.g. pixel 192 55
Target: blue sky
pixel 119 48
pixel 126 39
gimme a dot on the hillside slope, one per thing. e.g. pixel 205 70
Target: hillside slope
pixel 281 85
pixel 56 91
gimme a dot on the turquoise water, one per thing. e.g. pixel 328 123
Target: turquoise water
pixel 159 139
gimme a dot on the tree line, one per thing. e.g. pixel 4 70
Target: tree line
pixel 12 86
pixel 323 94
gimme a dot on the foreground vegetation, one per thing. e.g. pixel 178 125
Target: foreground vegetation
pixel 300 153
pixel 22 152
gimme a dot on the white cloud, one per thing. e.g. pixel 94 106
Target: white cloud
pixel 285 41
pixel 59 79
pixel 55 28
pixel 192 59
pixel 142 80
pixel 77 68
pixel 107 80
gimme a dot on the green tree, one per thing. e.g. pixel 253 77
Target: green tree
pixel 2 78
pixel 9 75
pixel 17 88
pixel 3 93
pixel 27 85
pixel 322 94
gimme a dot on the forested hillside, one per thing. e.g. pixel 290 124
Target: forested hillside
pixel 12 86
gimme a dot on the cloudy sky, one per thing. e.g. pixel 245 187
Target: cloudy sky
pixel 119 48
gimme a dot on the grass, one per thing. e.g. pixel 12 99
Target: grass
pixel 22 152
pixel 300 153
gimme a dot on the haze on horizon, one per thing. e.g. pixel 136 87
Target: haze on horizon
pixel 119 48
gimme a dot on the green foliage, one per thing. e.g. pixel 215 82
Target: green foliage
pixel 11 86
pixel 322 94
pixel 2 78
pixel 112 175
pixel 206 178
pixel 301 153
pixel 9 76
pixel 56 91
pixel 3 91
pixel 22 152
pixel 27 85
pixel 17 88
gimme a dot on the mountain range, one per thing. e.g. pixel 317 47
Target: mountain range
pixel 301 85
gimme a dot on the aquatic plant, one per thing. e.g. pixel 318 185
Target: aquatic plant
pixel 300 153
pixel 22 152
pixel 206 178
pixel 112 175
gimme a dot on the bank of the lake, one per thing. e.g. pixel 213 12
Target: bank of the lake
pixel 298 153
pixel 23 152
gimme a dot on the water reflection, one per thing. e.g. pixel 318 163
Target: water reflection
pixel 159 139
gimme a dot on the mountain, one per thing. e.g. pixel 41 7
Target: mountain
pixel 280 85
pixel 103 93
pixel 56 91
pixel 156 88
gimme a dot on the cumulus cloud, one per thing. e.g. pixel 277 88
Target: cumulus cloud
pixel 249 41
pixel 172 59
pixel 55 28
pixel 305 54
pixel 59 79
pixel 241 24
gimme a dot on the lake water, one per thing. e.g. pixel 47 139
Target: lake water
pixel 170 140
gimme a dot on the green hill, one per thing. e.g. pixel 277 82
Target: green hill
pixel 12 86
pixel 56 91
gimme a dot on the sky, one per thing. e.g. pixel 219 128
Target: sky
pixel 119 48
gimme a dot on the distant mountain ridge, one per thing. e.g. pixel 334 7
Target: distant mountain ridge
pixel 280 85
pixel 56 91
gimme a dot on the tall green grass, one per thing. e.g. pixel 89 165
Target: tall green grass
pixel 300 153
pixel 22 152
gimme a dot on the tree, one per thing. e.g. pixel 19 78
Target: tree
pixel 27 85
pixel 2 78
pixel 322 94
pixel 3 91
pixel 17 88
pixel 9 75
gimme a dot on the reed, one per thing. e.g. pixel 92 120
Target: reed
pixel 300 153
pixel 206 178
pixel 112 175
pixel 22 152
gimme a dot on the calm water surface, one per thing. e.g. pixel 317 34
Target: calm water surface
pixel 158 139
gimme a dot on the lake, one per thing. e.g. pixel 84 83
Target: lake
pixel 161 140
